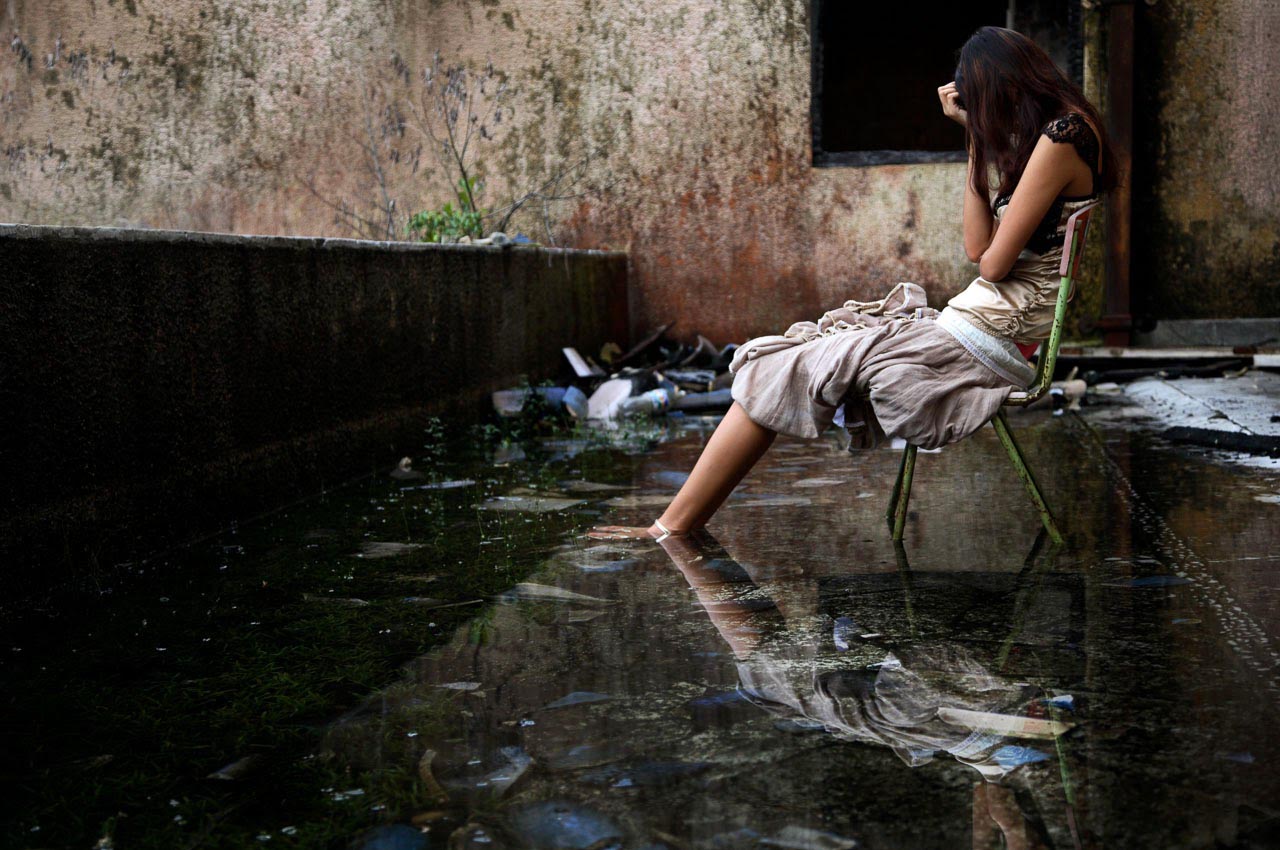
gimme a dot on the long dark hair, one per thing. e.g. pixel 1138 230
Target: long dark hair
pixel 1010 89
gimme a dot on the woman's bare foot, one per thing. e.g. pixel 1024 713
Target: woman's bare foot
pixel 624 532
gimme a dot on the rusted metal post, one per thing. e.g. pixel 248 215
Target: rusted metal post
pixel 1117 318
pixel 1024 473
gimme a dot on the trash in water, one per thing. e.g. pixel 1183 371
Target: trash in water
pixel 383 549
pixel 563 825
pixel 583 487
pixel 530 504
pixel 715 400
pixel 392 837
pixel 1150 581
pixel 404 470
pixel 581 366
pixel 235 770
pixel 582 756
pixel 442 485
pixel 819 482
pixel 1063 701
pixel 604 401
pixel 736 840
pixel 532 592
pixel 749 500
pixel 497 782
pixel 609 566
pixel 1011 755
pixel 670 478
pixel 575 401
pixel 460 686
pixel 798 726
pixel 434 790
pixel 640 501
pixel 1238 758
pixel 648 775
pixel 843 632
pixel 349 602
pixel 1187 621
pixel 509 403
pixel 806 838
pixel 1015 726
pixel 577 698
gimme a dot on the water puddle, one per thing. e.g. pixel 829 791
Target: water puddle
pixel 446 662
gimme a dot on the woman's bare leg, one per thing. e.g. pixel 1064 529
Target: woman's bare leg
pixel 735 447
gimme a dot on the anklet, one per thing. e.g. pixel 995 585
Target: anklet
pixel 666 532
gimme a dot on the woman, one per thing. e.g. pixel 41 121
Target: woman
pixel 895 367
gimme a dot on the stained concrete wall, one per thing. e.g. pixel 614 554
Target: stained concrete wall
pixel 1206 160
pixel 257 118
pixel 156 384
pixel 206 115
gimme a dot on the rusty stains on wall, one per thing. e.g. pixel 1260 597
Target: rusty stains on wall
pixel 212 116
pixel 1207 165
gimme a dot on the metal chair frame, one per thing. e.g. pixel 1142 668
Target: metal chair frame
pixel 1077 230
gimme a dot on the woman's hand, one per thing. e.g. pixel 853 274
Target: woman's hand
pixel 950 97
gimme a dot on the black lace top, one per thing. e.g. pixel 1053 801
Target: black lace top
pixel 1051 231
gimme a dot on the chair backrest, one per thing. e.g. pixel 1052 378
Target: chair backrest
pixel 1072 250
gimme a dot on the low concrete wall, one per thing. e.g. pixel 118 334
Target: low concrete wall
pixel 164 380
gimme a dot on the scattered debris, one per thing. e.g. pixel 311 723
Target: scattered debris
pixel 564 825
pixel 374 549
pixel 343 601
pixel 434 790
pixel 1015 726
pixel 806 838
pixel 528 591
pixel 404 470
pixel 577 698
pixel 1011 755
pixel 443 485
pixel 236 770
pixel 529 504
pixel 583 756
pixel 1150 581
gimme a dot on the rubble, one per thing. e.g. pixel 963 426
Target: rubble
pixel 657 377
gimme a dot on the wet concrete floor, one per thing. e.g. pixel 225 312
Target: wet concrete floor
pixel 792 679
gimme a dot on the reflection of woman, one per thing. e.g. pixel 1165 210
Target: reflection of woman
pixel 792 663
pixel 930 378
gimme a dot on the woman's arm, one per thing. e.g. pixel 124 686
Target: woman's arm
pixel 1052 166
pixel 978 223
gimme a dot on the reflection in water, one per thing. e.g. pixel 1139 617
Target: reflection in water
pixel 797 685
pixel 920 698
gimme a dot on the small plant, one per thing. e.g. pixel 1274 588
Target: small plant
pixel 448 224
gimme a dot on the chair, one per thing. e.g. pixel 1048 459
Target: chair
pixel 1077 229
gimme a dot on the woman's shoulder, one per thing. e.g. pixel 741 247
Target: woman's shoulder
pixel 1074 129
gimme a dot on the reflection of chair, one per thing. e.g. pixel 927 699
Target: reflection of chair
pixel 1077 229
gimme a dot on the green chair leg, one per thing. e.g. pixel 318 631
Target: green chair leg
pixel 897 491
pixel 1024 472
pixel 903 491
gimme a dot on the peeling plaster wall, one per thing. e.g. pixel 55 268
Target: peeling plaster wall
pixel 1207 160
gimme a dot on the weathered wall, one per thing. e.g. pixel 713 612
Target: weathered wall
pixel 256 118
pixel 157 383
pixel 214 116
pixel 1207 162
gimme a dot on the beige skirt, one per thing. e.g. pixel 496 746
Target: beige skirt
pixel 922 385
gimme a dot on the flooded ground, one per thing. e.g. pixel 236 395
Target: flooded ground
pixel 445 662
